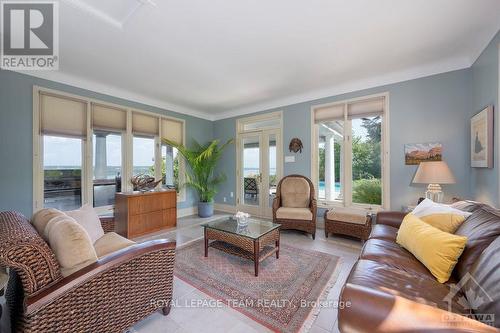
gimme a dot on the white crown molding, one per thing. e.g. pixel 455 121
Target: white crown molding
pixel 357 85
pixel 60 77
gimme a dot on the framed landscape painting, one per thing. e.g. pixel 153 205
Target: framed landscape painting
pixel 481 139
pixel 423 152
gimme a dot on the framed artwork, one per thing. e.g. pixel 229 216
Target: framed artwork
pixel 481 139
pixel 423 152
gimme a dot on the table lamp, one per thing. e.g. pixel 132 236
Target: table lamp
pixel 434 174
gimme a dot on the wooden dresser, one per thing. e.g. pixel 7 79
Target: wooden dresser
pixel 137 214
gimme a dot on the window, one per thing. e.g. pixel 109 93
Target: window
pixel 62 172
pixel 143 156
pixel 107 166
pixel 87 150
pixel 349 153
pixel 170 167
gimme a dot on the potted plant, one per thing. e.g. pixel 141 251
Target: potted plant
pixel 202 160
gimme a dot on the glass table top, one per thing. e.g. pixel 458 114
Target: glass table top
pixel 254 229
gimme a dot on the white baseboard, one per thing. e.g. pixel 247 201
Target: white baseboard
pixel 225 208
pixel 181 212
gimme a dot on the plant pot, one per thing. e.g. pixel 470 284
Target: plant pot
pixel 205 209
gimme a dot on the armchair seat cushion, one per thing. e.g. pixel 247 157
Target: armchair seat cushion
pixel 289 213
pixel 110 243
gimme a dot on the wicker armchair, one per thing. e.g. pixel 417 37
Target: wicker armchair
pixel 109 295
pixel 294 206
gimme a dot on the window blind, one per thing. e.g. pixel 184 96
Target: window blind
pixel 366 108
pixel 327 113
pixel 108 118
pixel 62 115
pixel 172 130
pixel 144 124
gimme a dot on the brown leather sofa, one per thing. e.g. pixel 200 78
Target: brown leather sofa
pixel 389 290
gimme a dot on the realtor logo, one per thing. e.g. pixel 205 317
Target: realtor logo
pixel 469 294
pixel 30 35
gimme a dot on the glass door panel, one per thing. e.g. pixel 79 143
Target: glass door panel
pixel 260 170
pixel 273 175
pixel 251 170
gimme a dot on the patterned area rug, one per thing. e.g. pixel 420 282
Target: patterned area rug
pixel 285 295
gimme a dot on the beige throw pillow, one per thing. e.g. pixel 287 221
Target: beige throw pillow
pixel 88 219
pixel 42 217
pixel 70 243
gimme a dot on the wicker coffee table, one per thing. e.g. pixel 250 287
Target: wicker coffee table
pixel 256 241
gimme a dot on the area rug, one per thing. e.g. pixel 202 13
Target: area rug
pixel 285 297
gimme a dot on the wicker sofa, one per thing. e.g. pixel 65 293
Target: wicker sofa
pixel 109 295
pixel 294 206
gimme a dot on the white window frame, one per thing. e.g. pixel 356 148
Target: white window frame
pixel 347 157
pixel 87 151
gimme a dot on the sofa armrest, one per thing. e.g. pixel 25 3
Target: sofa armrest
pixel 107 223
pixel 153 259
pixel 390 218
pixel 384 312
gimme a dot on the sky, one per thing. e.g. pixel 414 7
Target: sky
pixel 59 151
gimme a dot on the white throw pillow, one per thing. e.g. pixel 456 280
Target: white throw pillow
pixel 70 243
pixel 429 207
pixel 88 219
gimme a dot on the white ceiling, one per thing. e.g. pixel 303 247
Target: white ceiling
pixel 220 58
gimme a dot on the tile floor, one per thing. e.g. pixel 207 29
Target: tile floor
pixel 209 319
pixel 225 319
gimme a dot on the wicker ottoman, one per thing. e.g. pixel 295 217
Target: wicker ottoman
pixel 350 224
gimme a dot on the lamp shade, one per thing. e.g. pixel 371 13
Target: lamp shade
pixel 436 172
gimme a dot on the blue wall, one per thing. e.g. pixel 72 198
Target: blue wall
pixel 16 138
pixel 430 109
pixel 485 182
pixel 435 108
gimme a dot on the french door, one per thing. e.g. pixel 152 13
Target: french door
pixel 260 167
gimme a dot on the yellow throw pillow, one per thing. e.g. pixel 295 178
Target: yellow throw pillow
pixel 437 250
pixel 447 222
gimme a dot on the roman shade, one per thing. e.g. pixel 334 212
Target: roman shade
pixel 328 113
pixel 108 118
pixel 144 124
pixel 172 130
pixel 371 107
pixel 60 115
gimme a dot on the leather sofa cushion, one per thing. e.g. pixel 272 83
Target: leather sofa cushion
pixel 391 254
pixel 481 229
pixel 110 243
pixel 295 192
pixel 486 282
pixel 467 205
pixel 382 231
pixel 288 213
pixel 415 287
